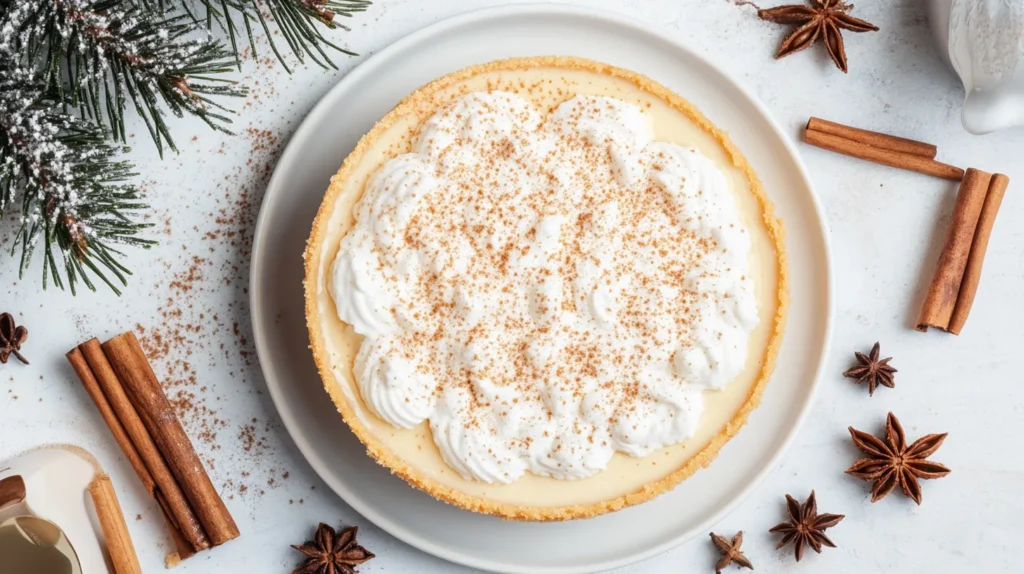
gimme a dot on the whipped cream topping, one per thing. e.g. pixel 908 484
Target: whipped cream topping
pixel 545 287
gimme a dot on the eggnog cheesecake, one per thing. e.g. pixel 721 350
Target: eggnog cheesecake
pixel 544 289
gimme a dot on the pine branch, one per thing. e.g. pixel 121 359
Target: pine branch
pixel 75 197
pixel 99 54
pixel 68 71
pixel 298 22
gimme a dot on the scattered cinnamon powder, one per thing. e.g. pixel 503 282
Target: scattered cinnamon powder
pixel 199 340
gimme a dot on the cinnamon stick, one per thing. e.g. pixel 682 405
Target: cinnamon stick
pixel 130 432
pixel 873 139
pixel 945 287
pixel 134 371
pixel 976 259
pixel 115 531
pixel 888 157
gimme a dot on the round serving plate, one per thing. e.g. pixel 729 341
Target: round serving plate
pixel 330 132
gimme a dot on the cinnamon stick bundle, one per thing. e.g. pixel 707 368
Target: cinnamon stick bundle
pixel 976 258
pixel 958 273
pixel 101 384
pixel 118 378
pixel 879 148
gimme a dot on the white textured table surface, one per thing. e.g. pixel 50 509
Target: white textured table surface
pixel 189 298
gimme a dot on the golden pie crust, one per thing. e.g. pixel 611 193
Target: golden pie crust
pixel 383 455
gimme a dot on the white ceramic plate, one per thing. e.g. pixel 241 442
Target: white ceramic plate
pixel 332 130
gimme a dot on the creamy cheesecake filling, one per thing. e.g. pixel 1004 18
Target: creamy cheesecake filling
pixel 545 287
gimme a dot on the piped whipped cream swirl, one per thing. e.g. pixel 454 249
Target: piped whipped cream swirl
pixel 545 288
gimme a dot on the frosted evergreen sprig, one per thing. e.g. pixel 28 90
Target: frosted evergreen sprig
pixel 298 22
pixel 69 69
pixel 100 54
pixel 75 198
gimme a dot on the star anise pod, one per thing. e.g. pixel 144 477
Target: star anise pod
pixel 872 370
pixel 805 526
pixel 730 550
pixel 823 19
pixel 332 553
pixel 11 338
pixel 891 461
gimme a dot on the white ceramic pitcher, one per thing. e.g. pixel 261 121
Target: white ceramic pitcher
pixel 983 40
